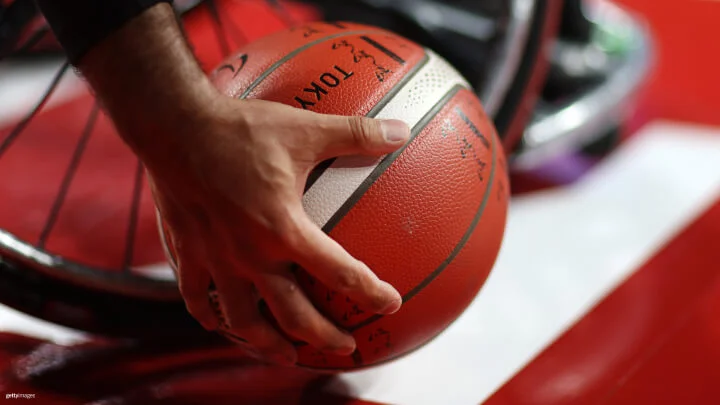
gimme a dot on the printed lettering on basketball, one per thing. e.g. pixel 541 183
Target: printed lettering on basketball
pixel 473 128
pixel 330 80
pixel 345 74
pixel 353 313
pixel 330 295
pixel 316 91
pixel 467 149
pixel 381 340
pixel 307 30
pixel 360 55
pixel 453 168
pixel 235 67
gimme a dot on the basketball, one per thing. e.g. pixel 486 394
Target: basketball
pixel 429 218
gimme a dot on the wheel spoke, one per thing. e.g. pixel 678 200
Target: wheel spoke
pixel 219 31
pixel 69 175
pixel 29 44
pixel 15 133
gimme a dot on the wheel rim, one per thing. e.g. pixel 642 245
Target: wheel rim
pixel 504 71
pixel 92 294
pixel 151 280
pixel 568 126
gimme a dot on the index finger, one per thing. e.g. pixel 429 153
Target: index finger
pixel 326 260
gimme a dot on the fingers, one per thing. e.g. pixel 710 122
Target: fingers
pixel 325 259
pixel 339 135
pixel 244 320
pixel 193 279
pixel 297 316
pixel 193 284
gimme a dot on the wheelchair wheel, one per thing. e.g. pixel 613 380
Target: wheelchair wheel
pixel 78 237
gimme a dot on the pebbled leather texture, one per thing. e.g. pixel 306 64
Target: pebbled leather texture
pixel 428 219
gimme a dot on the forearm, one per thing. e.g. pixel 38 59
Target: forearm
pixel 143 72
pixel 148 80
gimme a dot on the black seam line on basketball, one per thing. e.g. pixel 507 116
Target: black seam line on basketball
pixel 365 366
pixel 399 86
pixel 381 168
pixel 298 51
pixel 322 167
pixel 458 248
pixel 317 172
pixel 131 233
pixel 336 24
pixel 69 175
pixel 473 128
pixel 387 161
pixel 20 127
pixel 380 47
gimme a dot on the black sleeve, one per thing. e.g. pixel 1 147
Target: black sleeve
pixel 81 24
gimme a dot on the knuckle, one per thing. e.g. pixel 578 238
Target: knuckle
pixel 348 281
pixel 362 130
pixel 289 232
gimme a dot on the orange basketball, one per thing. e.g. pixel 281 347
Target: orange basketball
pixel 429 219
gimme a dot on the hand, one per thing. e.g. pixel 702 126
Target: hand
pixel 228 177
pixel 232 202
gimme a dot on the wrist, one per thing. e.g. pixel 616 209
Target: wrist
pixel 150 84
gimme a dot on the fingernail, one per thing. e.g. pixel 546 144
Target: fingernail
pixel 395 131
pixel 341 351
pixel 393 307
pixel 346 349
pixel 395 304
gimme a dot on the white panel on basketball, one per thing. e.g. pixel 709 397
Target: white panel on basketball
pixel 416 98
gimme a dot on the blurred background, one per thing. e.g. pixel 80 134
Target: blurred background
pixel 608 286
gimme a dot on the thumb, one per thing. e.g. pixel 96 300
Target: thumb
pixel 360 136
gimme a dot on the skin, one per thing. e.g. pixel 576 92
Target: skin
pixel 228 177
